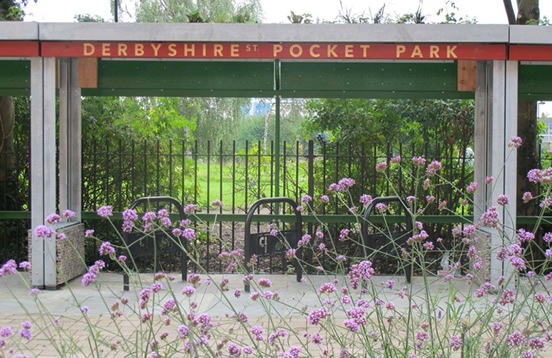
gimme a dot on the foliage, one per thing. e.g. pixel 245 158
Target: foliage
pixel 199 11
pixel 12 10
pixel 415 122
pixel 156 118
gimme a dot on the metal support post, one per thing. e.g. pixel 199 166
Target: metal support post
pixel 495 123
pixel 43 167
pixel 277 131
pixel 70 144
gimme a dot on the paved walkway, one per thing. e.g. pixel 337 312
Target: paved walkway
pixel 65 319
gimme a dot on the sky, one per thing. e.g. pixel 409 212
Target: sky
pixel 276 11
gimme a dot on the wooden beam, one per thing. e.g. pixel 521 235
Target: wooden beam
pixel 466 75
pixel 88 72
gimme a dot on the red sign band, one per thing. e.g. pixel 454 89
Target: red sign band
pixel 307 51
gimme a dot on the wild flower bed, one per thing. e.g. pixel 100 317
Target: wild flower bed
pixel 342 312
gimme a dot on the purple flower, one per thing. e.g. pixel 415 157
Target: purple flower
pixel 190 208
pixel 6 331
pixel 421 236
pixel 361 271
pixel 429 245
pixel 52 219
pixel 327 288
pixel 105 211
pixel 381 167
pixel 489 179
pixel 490 217
pixel 258 331
pixel 106 249
pixel 472 187
pixel 89 233
pixel 316 338
pixel 343 234
pixel 515 142
pixel 365 199
pixel 25 265
pixel 61 236
pixel 306 199
pixel 516 339
pixel 503 200
pixel 426 183
pixel 455 342
pixel 43 231
pixel 381 207
pixel 419 161
pixel 527 197
pixel 156 287
pixel 536 343
pixel 188 291
pixel 518 263
pixel 9 267
pixel 26 333
pixel 234 350
pixel 324 198
pixel 189 234
pixel 496 327
pixel 316 315
pixel 130 215
pixel 68 214
pixel 182 331
pixel 396 159
pixel 433 168
pixel 290 254
pixel 88 278
pixel 265 282
pixel 525 235
pixel 217 203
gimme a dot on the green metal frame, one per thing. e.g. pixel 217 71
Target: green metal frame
pixel 288 79
pixel 15 78
pixel 327 219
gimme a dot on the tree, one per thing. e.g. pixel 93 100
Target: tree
pixel 528 14
pixel 198 11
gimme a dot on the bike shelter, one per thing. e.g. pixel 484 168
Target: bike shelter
pixel 496 65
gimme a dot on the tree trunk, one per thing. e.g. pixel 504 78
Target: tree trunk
pixel 7 119
pixel 528 155
pixel 528 11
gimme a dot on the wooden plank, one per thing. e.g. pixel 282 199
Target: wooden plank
pixel 88 72
pixel 466 75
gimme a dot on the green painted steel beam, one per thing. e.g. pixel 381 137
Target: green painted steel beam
pixel 15 92
pixel 369 76
pixel 333 219
pixel 186 75
pixel 15 75
pixel 162 92
pixel 377 94
pixel 534 82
